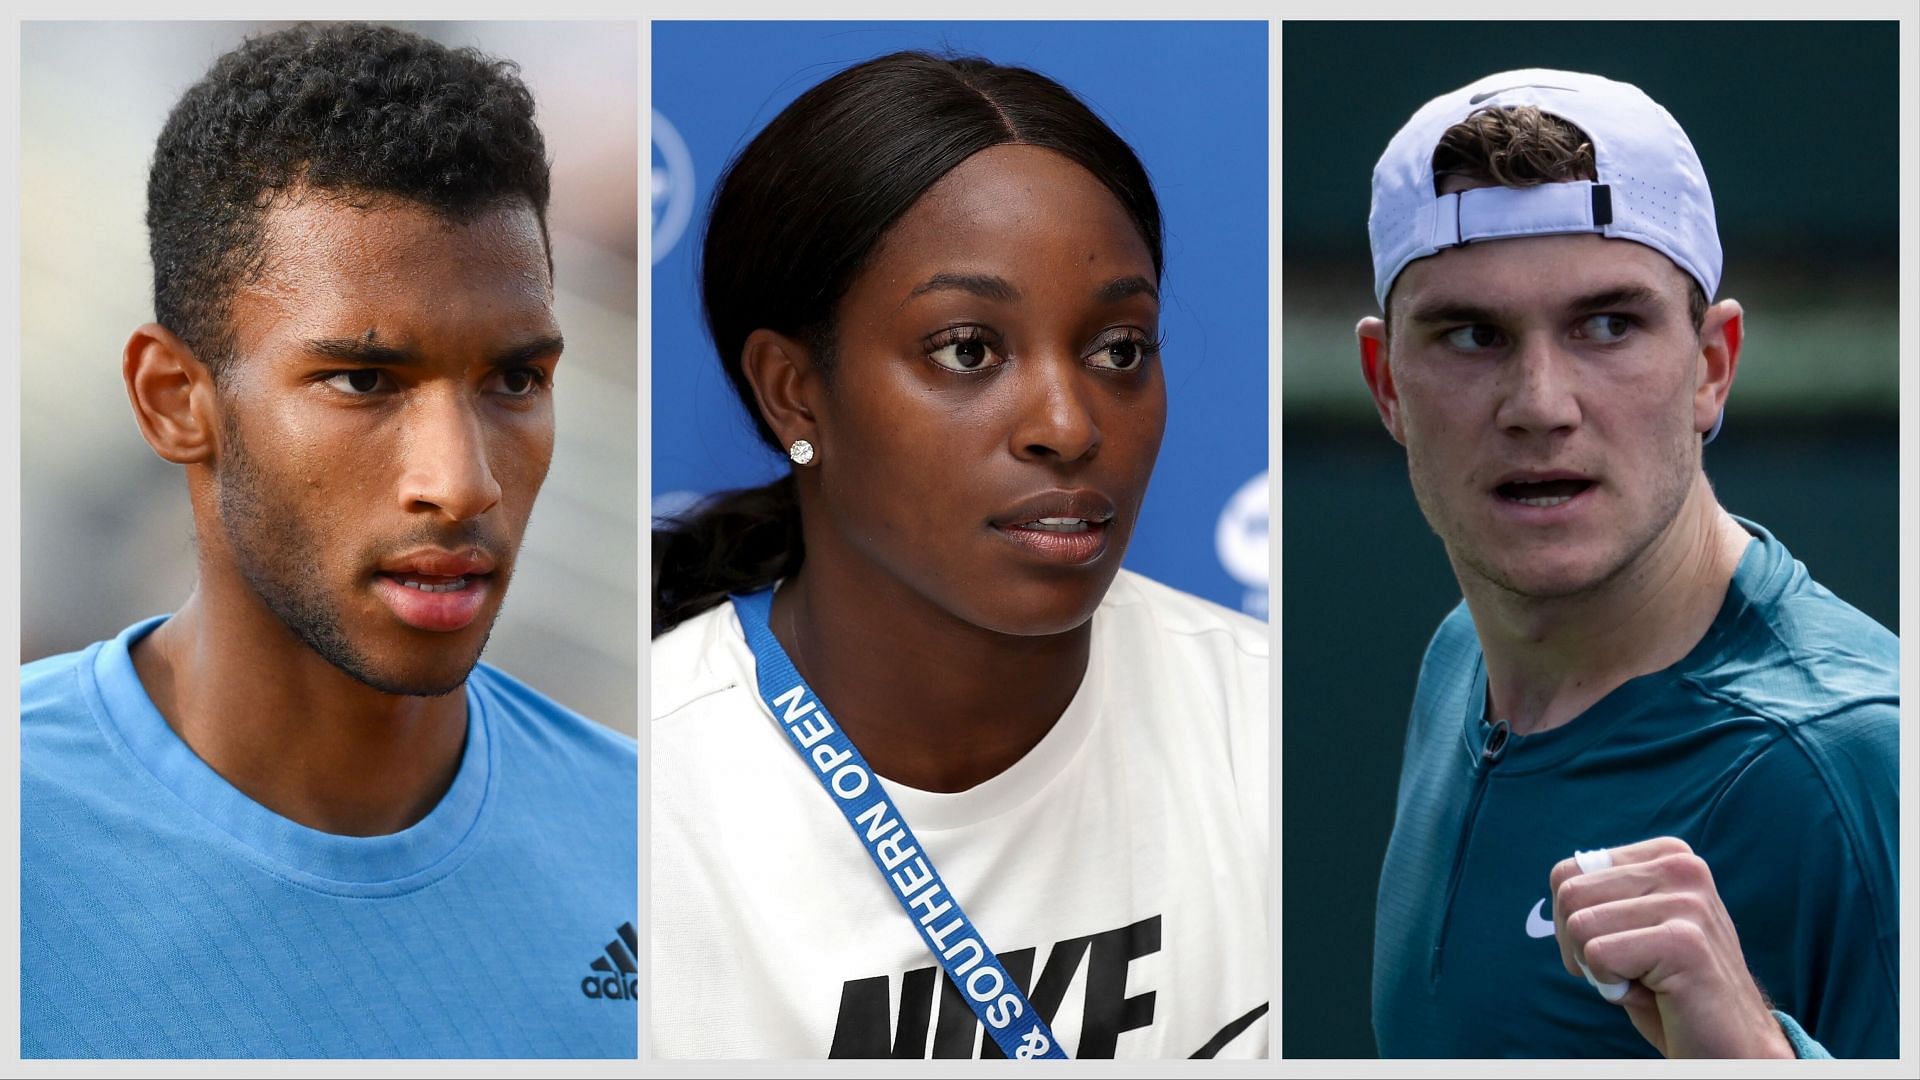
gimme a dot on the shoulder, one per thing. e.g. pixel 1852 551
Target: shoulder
pixel 1455 641
pixel 1780 616
pixel 1137 606
pixel 697 660
pixel 706 707
pixel 1452 661
pixel 1822 631
pixel 528 714
pixel 59 689
pixel 72 759
pixel 1800 656
pixel 61 739
pixel 62 710
pixel 1166 650
pixel 1197 676
pixel 1824 680
pixel 53 687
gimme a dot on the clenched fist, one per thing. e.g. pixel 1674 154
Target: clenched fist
pixel 1655 919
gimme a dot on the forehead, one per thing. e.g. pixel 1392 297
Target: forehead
pixel 400 269
pixel 1008 201
pixel 1535 274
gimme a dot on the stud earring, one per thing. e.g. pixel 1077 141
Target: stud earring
pixel 801 451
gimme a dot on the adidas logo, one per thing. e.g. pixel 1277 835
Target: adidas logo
pixel 618 972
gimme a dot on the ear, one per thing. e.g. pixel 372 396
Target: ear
pixel 785 384
pixel 172 395
pixel 1721 333
pixel 1371 333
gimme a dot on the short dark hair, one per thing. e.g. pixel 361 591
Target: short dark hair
pixel 348 108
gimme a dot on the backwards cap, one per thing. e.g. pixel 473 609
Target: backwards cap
pixel 1650 185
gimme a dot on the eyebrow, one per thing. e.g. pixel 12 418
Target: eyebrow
pixel 1456 311
pixel 985 286
pixel 993 287
pixel 1123 288
pixel 1619 296
pixel 1451 311
pixel 373 354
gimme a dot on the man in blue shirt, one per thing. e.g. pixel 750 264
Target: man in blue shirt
pixel 1645 735
pixel 297 818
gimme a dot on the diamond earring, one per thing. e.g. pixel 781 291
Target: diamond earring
pixel 801 451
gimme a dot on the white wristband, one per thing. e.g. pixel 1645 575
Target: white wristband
pixel 1590 861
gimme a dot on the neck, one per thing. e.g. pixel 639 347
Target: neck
pixel 1550 659
pixel 932 702
pixel 290 730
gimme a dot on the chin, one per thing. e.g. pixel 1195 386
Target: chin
pixel 417 665
pixel 423 677
pixel 1041 609
pixel 1549 576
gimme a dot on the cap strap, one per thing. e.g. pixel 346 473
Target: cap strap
pixel 1492 213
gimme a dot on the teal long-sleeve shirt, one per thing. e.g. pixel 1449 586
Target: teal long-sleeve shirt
pixel 1771 749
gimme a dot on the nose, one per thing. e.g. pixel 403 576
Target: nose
pixel 444 463
pixel 1538 394
pixel 1056 418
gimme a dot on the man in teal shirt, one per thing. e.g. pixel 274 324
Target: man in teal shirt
pixel 1649 796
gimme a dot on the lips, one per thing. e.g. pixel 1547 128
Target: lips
pixel 436 590
pixel 1542 489
pixel 1084 506
pixel 438 562
pixel 1543 492
pixel 1065 527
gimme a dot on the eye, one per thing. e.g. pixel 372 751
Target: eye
pixel 360 382
pixel 519 382
pixel 1127 352
pixel 1475 338
pixel 1606 329
pixel 964 349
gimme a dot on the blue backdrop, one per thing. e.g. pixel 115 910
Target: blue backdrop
pixel 1191 98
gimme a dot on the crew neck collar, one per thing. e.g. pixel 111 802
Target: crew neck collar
pixel 349 865
pixel 933 811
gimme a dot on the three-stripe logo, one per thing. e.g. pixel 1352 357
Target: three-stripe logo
pixel 616 971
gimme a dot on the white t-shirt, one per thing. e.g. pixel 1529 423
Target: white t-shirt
pixel 1119 869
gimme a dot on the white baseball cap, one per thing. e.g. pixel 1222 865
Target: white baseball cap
pixel 1650 186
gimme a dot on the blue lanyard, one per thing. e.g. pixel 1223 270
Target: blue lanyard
pixel 1013 1023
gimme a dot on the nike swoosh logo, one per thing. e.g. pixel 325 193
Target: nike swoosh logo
pixel 1537 926
pixel 1480 97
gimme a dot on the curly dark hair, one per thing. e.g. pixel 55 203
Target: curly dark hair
pixel 1514 146
pixel 352 109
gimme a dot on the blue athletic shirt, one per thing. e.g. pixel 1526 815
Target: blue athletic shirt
pixel 165 914
pixel 1771 749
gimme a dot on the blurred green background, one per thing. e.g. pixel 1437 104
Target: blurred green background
pixel 1797 125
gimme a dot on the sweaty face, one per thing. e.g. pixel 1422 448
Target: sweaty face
pixel 997 401
pixel 1546 400
pixel 386 423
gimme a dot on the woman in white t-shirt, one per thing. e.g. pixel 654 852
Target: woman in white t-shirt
pixel 934 285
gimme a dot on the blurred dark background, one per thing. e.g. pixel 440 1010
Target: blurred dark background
pixel 1797 124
